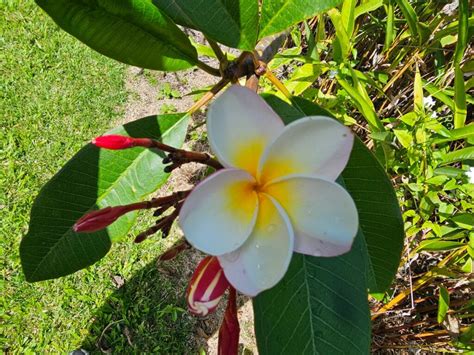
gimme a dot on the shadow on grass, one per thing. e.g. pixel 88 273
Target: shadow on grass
pixel 148 313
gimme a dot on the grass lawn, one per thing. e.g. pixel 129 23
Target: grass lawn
pixel 56 94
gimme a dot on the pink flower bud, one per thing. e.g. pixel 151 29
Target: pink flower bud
pixel 99 219
pixel 115 142
pixel 207 286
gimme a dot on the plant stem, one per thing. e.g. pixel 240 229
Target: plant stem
pixel 185 156
pixel 217 50
pixel 208 96
pixel 208 69
pixel 275 81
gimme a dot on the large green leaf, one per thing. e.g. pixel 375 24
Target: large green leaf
pixel 319 307
pixel 131 31
pixel 231 22
pixel 94 178
pixel 278 15
pixel 379 213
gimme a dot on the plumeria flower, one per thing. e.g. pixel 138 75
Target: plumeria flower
pixel 277 193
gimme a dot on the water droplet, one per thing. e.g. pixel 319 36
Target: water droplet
pixel 259 266
pixel 257 246
pixel 271 228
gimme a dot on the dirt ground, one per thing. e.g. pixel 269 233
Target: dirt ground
pixel 146 97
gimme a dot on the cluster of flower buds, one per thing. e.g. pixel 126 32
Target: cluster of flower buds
pixel 102 218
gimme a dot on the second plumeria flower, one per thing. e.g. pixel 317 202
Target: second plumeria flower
pixel 277 193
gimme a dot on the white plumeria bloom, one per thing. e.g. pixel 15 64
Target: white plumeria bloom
pixel 276 194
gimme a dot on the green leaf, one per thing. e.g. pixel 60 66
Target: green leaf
pixel 363 103
pixel 443 304
pixel 389 27
pixel 464 220
pixel 94 178
pixel 348 16
pixel 278 15
pixel 302 78
pixel 131 31
pixel 367 6
pixel 452 28
pixel 463 31
pixel 319 307
pixel 439 94
pixel 379 214
pixel 438 245
pixel 418 94
pixel 458 155
pixel 233 23
pixel 460 104
pixel 417 28
pixel 342 43
pixel 465 132
pixel 404 137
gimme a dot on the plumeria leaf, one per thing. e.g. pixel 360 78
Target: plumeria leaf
pixel 233 23
pixel 278 15
pixel 132 32
pixel 319 307
pixel 94 178
pixel 379 214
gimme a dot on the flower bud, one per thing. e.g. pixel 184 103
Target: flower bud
pixel 207 286
pixel 116 142
pixel 174 251
pixel 230 330
pixel 99 219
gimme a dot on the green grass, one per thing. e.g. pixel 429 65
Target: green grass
pixel 56 95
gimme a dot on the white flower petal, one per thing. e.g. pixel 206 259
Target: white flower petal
pixel 219 214
pixel 312 146
pixel 264 258
pixel 323 214
pixel 240 125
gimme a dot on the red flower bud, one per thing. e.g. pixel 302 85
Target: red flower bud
pixel 174 251
pixel 99 219
pixel 207 286
pixel 115 142
pixel 230 330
